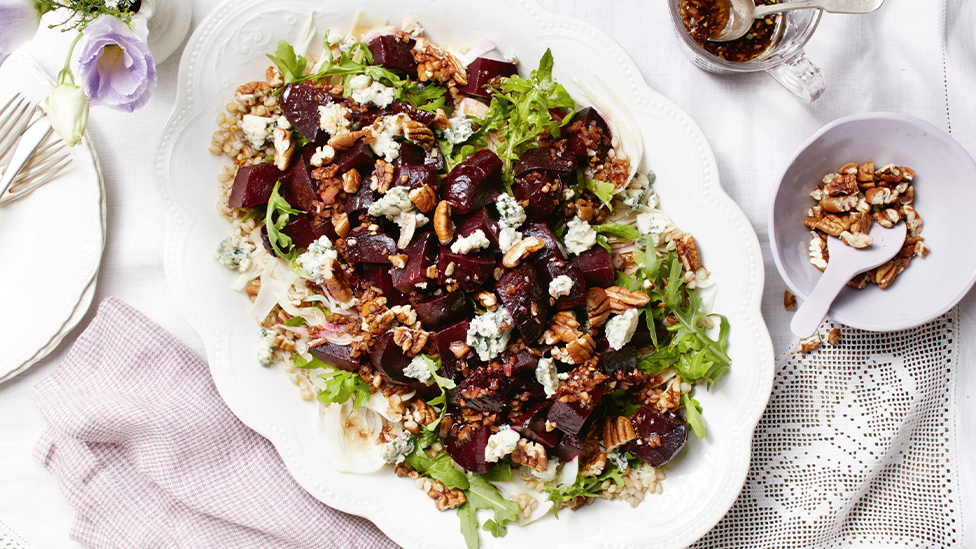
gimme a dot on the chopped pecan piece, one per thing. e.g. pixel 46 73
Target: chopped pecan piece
pixel 618 431
pixel 577 351
pixel 597 307
pixel 418 133
pixel 345 141
pixel 382 176
pixel 621 298
pixel 424 198
pixel 688 252
pixel 377 319
pixel 530 454
pixel 445 498
pixel 520 250
pixel 808 344
pixel 833 337
pixel 443 226
pixel 410 340
pixel 789 300
pixel 351 181
pixel 563 328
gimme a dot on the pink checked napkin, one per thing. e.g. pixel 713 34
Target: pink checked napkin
pixel 144 448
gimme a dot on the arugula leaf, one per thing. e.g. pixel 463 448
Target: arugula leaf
pixel 291 66
pixel 295 321
pixel 258 211
pixel 341 385
pixel 300 362
pixel 584 486
pixel 434 364
pixel 693 415
pixel 602 241
pixel 428 99
pixel 280 207
pixel 501 472
pixel 440 468
pixel 602 189
pixel 482 495
pixel 618 230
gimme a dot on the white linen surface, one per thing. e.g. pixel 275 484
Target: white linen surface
pixel 914 57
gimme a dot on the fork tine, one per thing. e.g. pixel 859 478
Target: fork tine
pixel 15 96
pixel 39 157
pixel 24 186
pixel 40 167
pixel 12 128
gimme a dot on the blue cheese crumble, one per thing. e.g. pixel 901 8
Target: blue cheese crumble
pixel 560 286
pixel 501 444
pixel 656 225
pixel 266 347
pixel 488 333
pixel 507 238
pixel 394 202
pixel 546 375
pixel 398 449
pixel 471 243
pixel 365 91
pixel 639 190
pixel 384 130
pixel 510 214
pixel 334 119
pixel 579 236
pixel 618 459
pixel 234 252
pixel 621 328
pixel 257 130
pixel 320 253
pixel 460 131
pixel 418 369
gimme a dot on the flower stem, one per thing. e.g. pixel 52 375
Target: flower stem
pixel 65 73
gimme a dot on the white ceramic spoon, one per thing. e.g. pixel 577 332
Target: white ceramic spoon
pixel 845 262
pixel 743 12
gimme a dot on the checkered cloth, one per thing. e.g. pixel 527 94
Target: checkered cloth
pixel 144 448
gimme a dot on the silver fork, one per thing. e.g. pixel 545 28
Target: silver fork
pixel 15 117
pixel 44 165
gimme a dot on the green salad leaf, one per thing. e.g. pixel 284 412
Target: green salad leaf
pixel 482 495
pixel 602 189
pixel 693 415
pixel 341 385
pixel 617 230
pixel 295 321
pixel 275 219
pixel 290 65
pixel 584 486
pixel 300 362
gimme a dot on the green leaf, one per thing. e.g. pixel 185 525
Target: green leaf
pixel 619 231
pixel 602 189
pixel 341 386
pixel 585 486
pixel 497 530
pixel 256 212
pixel 482 495
pixel 300 362
pixel 444 471
pixel 602 241
pixel 693 415
pixel 291 66
pixel 275 219
pixel 428 99
pixel 295 321
pixel 501 472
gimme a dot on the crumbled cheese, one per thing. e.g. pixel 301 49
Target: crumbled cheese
pixel 621 328
pixel 394 202
pixel 461 129
pixel 580 236
pixel 507 238
pixel 283 122
pixel 552 467
pixel 322 156
pixel 365 91
pixel 655 224
pixel 560 286
pixel 411 27
pixel 398 449
pixel 488 333
pixel 547 376
pixel 384 130
pixel 473 242
pixel 635 195
pixel 418 369
pixel 266 347
pixel 257 130
pixel 510 214
pixel 334 118
pixel 568 194
pixel 618 459
pixel 234 252
pixel 319 254
pixel 501 443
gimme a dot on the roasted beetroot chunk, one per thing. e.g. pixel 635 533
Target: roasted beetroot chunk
pixel 413 176
pixel 378 276
pixel 577 294
pixel 569 447
pixel 612 362
pixel 421 254
pixel 389 359
pixel 483 220
pixel 339 356
pixel 450 341
pixel 482 390
pixel 521 364
pixel 365 246
pixel 569 416
pixel 393 53
pixel 524 299
pixel 539 193
pixel 467 451
pixel 482 72
pixel 300 103
pixel 441 310
pixel 360 156
pixel 416 155
pixel 473 183
pixel 597 267
pixel 552 250
pixel 253 185
pixel 659 436
pixel 303 187
pixel 424 117
pixel 532 425
pixel 470 271
pixel 360 202
pixel 546 159
pixel 588 132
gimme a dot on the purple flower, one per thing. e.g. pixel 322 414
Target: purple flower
pixel 19 20
pixel 115 65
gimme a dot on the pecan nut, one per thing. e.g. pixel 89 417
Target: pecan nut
pixel 335 281
pixel 880 196
pixel 789 300
pixel 284 148
pixel 248 94
pixel 521 250
pixel 597 307
pixel 419 134
pixel 618 431
pixel 530 454
pixel 445 498
pixel 621 299
pixel 833 225
pixel 377 319
pixel 856 240
pixel 865 174
pixel 838 204
pixel 423 197
pixel 410 341
pixel 340 221
pixel 563 327
pixel 808 344
pixel 443 226
pixel 833 337
pixel 351 181
pixel 345 141
pixel 841 186
pixel 577 351
pixel 382 176
pixel 688 252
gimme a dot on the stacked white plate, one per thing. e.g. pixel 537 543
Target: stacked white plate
pixel 51 243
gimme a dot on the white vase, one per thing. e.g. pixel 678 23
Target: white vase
pixel 168 22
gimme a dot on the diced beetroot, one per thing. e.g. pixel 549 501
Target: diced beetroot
pixel 378 276
pixel 468 453
pixel 300 103
pixel 389 359
pixel 569 447
pixel 577 294
pixel 441 310
pixel 413 176
pixel 473 183
pixel 362 117
pixel 482 390
pixel 359 156
pixel 597 267
pixel 365 246
pixel 523 392
pixel 483 220
pixel 611 361
pixel 532 425
pixel 659 436
pixel 415 154
pixel 569 417
pixel 424 117
pixel 590 133
pixel 454 335
pixel 552 249
pixel 327 229
pixel 253 185
pixel 470 271
pixel 539 193
pixel 392 53
pixel 521 364
pixel 524 299
pixel 303 187
pixel 360 202
pixel 482 71
pixel 545 159
pixel 339 356
pixel 422 253
pixel 300 230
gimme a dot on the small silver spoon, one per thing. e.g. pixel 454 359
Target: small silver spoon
pixel 743 12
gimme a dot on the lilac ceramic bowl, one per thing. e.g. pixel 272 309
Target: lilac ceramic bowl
pixel 945 194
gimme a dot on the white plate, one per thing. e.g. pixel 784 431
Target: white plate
pixel 51 241
pixel 228 49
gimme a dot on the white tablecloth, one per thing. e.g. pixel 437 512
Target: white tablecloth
pixel 902 58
